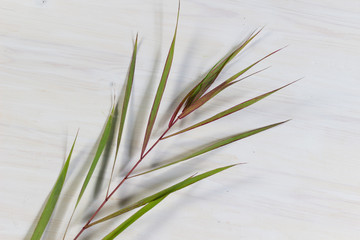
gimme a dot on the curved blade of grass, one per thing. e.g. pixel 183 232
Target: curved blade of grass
pixel 201 88
pixel 206 82
pixel 132 219
pixel 103 140
pixel 188 95
pixel 53 198
pixel 252 65
pixel 155 199
pixel 216 145
pixel 102 144
pixel 160 90
pixel 204 99
pixel 229 111
pixel 129 84
pixel 185 183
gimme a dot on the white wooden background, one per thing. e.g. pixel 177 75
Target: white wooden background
pixel 61 61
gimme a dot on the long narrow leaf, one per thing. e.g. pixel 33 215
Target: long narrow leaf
pixel 132 219
pixel 229 111
pixel 201 88
pixel 103 141
pixel 188 95
pixel 53 198
pixel 204 99
pixel 196 92
pixel 160 90
pixel 185 183
pixel 216 145
pixel 129 84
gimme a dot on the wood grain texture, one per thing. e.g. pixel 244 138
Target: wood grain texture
pixel 61 61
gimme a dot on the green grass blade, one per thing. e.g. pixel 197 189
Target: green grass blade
pixel 127 95
pixel 235 76
pixel 160 90
pixel 200 89
pixel 227 83
pixel 216 145
pixel 53 198
pixel 132 219
pixel 206 82
pixel 229 111
pixel 185 183
pixel 204 99
pixel 188 95
pixel 103 140
pixel 129 84
pixel 155 199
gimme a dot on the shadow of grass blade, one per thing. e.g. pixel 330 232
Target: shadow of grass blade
pixel 128 89
pixel 229 111
pixel 216 145
pixel 132 219
pixel 103 141
pixel 53 198
pixel 185 183
pixel 161 88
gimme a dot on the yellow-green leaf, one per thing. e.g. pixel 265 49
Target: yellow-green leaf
pixel 227 83
pixel 201 88
pixel 155 199
pixel 129 84
pixel 160 90
pixel 196 92
pixel 53 198
pixel 132 219
pixel 228 111
pixel 185 183
pixel 216 145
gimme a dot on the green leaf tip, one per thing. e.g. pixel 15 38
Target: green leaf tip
pixel 216 145
pixel 53 198
pixel 229 111
pixel 195 93
pixel 126 99
pixel 161 89
pixel 201 88
pixel 128 89
pixel 227 83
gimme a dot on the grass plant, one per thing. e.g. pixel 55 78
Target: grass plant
pixel 199 95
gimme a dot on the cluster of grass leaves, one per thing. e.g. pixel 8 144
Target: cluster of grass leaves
pixel 193 100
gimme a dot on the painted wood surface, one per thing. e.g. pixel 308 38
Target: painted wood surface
pixel 61 62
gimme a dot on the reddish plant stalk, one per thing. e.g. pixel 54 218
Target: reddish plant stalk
pixel 123 180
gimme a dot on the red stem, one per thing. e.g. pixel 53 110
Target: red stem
pixel 123 180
